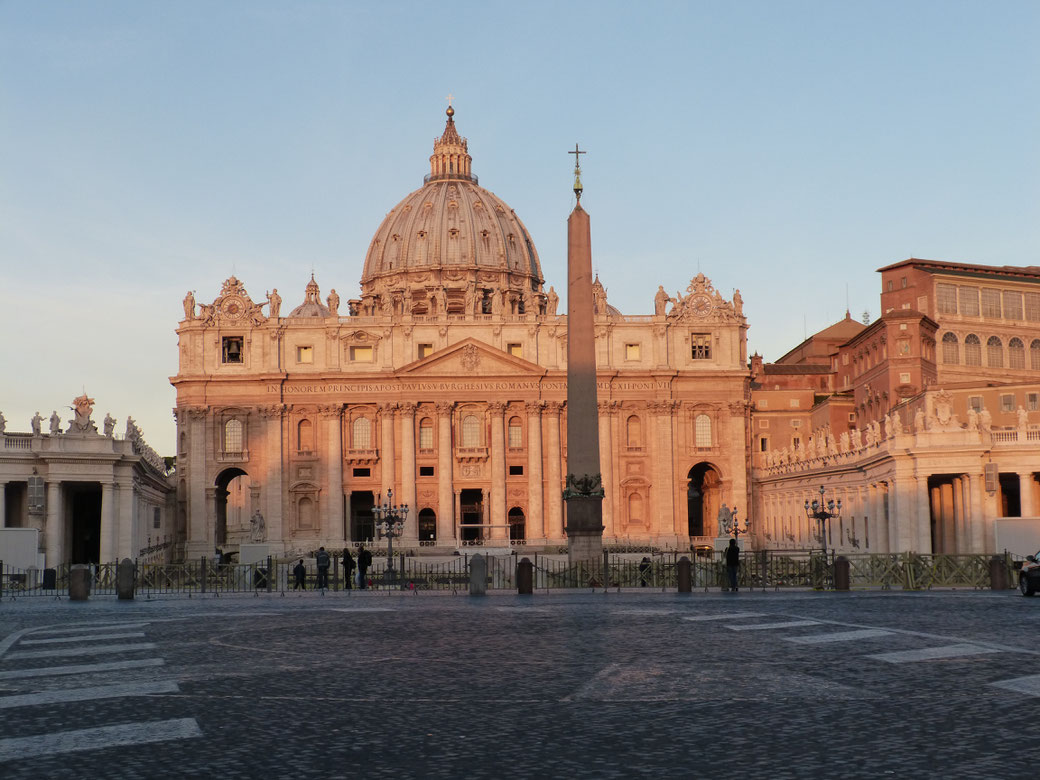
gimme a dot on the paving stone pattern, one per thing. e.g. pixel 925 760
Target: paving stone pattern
pixel 777 685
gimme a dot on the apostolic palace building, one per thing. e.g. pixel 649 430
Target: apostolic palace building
pixel 445 382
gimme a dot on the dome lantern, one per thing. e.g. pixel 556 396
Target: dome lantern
pixel 450 158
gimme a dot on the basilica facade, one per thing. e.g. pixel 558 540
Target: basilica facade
pixel 443 384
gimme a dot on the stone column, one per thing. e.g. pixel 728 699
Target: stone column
pixel 606 466
pixel 53 536
pixel 456 531
pixel 535 523
pixel 921 538
pixel 333 515
pixel 947 518
pixel 407 415
pixel 273 507
pixel 107 550
pixel 960 527
pixel 3 505
pixel 387 458
pixel 662 454
pixel 200 521
pixel 446 509
pixel 124 542
pixel 554 486
pixel 1026 485
pixel 498 471
pixel 973 509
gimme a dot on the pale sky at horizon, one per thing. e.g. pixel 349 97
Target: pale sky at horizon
pixel 788 149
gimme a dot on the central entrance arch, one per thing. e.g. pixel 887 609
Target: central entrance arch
pixel 703 499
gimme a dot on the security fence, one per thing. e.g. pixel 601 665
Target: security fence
pixel 759 570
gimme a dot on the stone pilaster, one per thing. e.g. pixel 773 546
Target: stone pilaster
pixel 107 552
pixel 553 528
pixel 446 512
pixel 3 505
pixel 535 519
pixel 606 411
pixel 53 536
pixel 406 411
pixel 125 525
pixel 332 517
pixel 200 522
pixel 496 412
pixel 273 507
pixel 387 458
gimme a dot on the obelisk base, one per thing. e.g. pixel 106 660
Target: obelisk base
pixel 584 528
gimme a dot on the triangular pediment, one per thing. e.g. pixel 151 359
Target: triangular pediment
pixel 471 358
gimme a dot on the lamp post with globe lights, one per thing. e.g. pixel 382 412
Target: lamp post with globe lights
pixel 821 512
pixel 390 520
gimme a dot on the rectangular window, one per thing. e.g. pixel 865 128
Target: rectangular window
pixel 796 423
pixel 1007 403
pixel 1012 305
pixel 969 301
pixel 902 283
pixel 700 346
pixel 975 402
pixel 763 404
pixel 945 299
pixel 763 444
pixel 515 437
pixel 361 354
pixel 990 302
pixel 426 471
pixel 922 303
pixel 1032 402
pixel 795 403
pixel 763 423
pixel 796 442
pixel 516 471
pixel 305 354
pixel 516 350
pixel 157 518
pixel 631 352
pixel 1032 306
pixel 904 379
pixel 231 349
pixel 426 437
pixel 362 472
pixel 424 350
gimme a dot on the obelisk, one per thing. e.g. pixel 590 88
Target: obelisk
pixel 584 488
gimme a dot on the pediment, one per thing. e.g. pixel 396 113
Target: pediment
pixel 471 358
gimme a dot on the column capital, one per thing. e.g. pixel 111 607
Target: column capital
pixel 330 412
pixel 445 408
pixel 272 410
pixel 388 409
pixel 497 408
pixel 195 412
pixel 554 407
pixel 407 407
pixel 534 407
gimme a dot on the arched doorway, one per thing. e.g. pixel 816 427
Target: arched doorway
pixel 231 503
pixel 427 525
pixel 362 521
pixel 703 499
pixel 517 524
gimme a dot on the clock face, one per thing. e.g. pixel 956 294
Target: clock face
pixel 233 307
pixel 701 305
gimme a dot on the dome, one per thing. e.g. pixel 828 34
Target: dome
pixel 312 305
pixel 451 233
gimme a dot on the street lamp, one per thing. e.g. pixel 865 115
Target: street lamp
pixel 736 529
pixel 390 523
pixel 821 513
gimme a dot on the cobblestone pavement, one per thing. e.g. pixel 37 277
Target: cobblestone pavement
pixel 778 685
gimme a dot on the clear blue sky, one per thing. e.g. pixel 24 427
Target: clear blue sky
pixel 784 148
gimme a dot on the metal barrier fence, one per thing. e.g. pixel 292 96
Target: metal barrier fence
pixel 762 570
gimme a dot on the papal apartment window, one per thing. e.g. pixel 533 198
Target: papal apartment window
pixel 1007 403
pixel 516 350
pixel 968 297
pixel 1032 402
pixel 305 354
pixel 361 354
pixel 424 350
pixel 426 434
pixel 975 402
pixel 1032 306
pixel 990 302
pixel 231 349
pixel 1012 305
pixel 700 346
pixel 946 298
pixel 631 352
pixel 233 436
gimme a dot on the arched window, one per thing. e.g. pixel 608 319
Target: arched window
pixel 427 525
pixel 635 508
pixel 470 431
pixel 233 436
pixel 516 434
pixel 425 434
pixel 1034 354
pixel 305 436
pixel 306 514
pixel 702 430
pixel 994 352
pixel 972 350
pixel 951 348
pixel 517 524
pixel 361 435
pixel 634 432
pixel 1016 353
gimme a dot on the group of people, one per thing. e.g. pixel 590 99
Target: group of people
pixel 323 561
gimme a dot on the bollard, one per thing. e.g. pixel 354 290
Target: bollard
pixel 125 579
pixel 79 582
pixel 525 577
pixel 478 575
pixel 841 573
pixel 998 579
pixel 685 578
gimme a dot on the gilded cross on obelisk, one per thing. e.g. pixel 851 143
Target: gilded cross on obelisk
pixel 577 171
